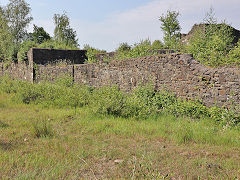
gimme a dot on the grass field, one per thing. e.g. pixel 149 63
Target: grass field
pixel 50 143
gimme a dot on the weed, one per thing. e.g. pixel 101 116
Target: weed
pixel 42 129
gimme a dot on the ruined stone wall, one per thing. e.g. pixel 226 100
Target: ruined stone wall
pixel 179 73
pixel 19 71
pixel 51 73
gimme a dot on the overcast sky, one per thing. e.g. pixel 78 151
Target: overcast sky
pixel 105 24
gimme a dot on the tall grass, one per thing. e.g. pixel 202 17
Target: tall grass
pixel 140 104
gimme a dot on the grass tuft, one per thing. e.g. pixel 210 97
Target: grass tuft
pixel 42 129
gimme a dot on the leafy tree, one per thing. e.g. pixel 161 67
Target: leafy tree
pixel 18 15
pixel 6 39
pixel 171 28
pixel 63 32
pixel 39 35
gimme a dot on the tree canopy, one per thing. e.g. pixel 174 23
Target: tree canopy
pixel 18 15
pixel 171 28
pixel 63 32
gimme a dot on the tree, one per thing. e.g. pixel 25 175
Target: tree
pixel 18 15
pixel 6 39
pixel 63 32
pixel 39 35
pixel 171 28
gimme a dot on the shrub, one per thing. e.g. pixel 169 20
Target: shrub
pixel 54 44
pixel 211 47
pixel 234 55
pixel 91 53
pixel 7 85
pixel 138 50
pixel 24 48
pixel 123 47
pixel 141 103
pixel 108 100
pixel 211 43
pixel 157 44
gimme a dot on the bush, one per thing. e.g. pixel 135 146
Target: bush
pixel 54 44
pixel 138 50
pixel 141 103
pixel 123 47
pixel 234 55
pixel 24 48
pixel 7 85
pixel 211 43
pixel 211 46
pixel 157 44
pixel 108 100
pixel 91 53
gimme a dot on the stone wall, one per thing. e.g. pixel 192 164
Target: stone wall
pixel 19 71
pixel 51 73
pixel 179 73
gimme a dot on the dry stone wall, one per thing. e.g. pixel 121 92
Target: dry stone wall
pixel 51 73
pixel 19 71
pixel 178 73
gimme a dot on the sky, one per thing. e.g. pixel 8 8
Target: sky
pixel 104 24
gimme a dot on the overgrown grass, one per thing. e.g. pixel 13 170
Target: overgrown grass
pixel 42 128
pixel 91 145
pixel 139 104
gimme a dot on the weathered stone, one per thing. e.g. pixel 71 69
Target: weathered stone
pixel 222 92
pixel 179 73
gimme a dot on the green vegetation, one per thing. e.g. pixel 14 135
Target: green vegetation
pixel 212 43
pixel 140 104
pixel 6 39
pixel 39 35
pixel 44 136
pixel 125 51
pixel 16 41
pixel 137 50
pixel 17 13
pixel 63 32
pixel 92 52
pixel 171 28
